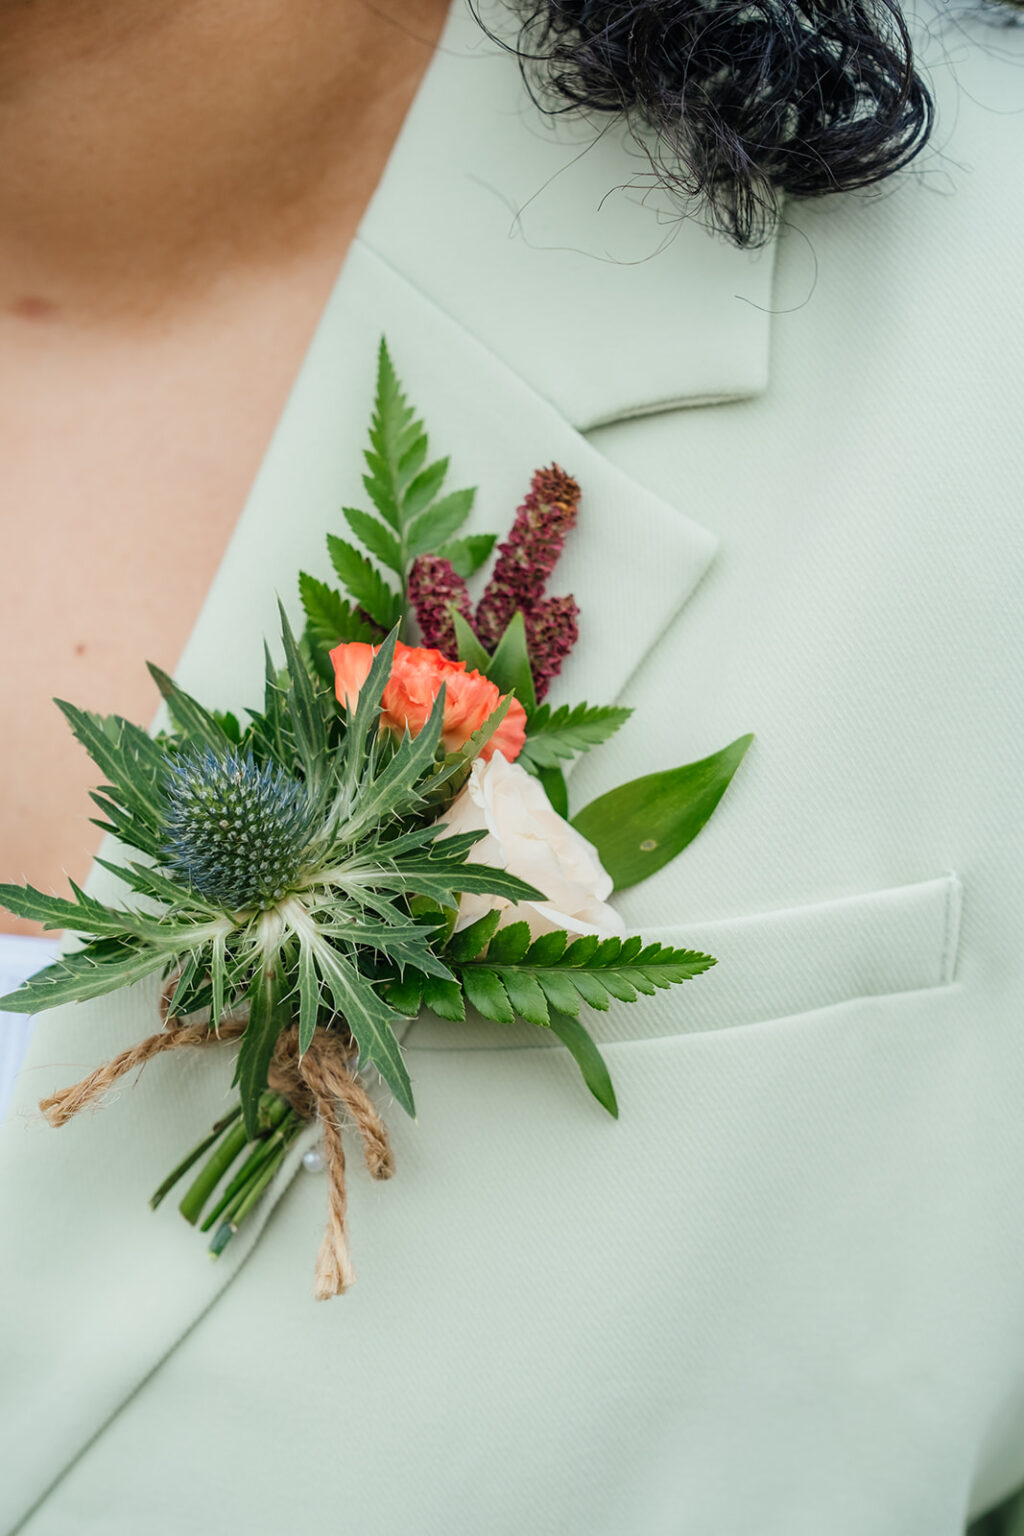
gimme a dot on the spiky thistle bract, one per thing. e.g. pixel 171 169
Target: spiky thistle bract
pixel 285 866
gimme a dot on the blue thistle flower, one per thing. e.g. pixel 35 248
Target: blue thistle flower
pixel 239 833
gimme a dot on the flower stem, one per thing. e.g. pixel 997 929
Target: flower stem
pixel 193 1157
pixel 200 1190
pixel 277 1136
pixel 227 1229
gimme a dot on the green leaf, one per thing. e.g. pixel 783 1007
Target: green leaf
pixel 485 992
pixel 369 1018
pixel 126 827
pixel 131 760
pixel 470 649
pixel 377 538
pixel 471 941
pixel 552 781
pixel 331 620
pixel 641 826
pixel 509 667
pixel 525 995
pixel 508 946
pixel 547 949
pixel 155 883
pixel 406 995
pixel 422 490
pixel 466 556
pixel 77 978
pixel 267 1018
pixel 364 717
pixel 553 735
pixel 445 999
pixel 188 716
pixel 588 1058
pixel 393 791
pixel 306 715
pixel 395 437
pixel 309 996
pixel 435 526
pixel 82 916
pixel 364 582
pixel 559 990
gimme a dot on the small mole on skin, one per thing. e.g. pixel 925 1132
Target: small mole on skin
pixel 32 306
pixel 80 648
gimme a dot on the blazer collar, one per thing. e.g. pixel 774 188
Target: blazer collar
pixel 543 236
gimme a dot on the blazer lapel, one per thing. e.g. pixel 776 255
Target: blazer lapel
pixel 547 238
pixel 101 1289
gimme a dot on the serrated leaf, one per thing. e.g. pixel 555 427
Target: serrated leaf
pixel 330 618
pixel 129 758
pixel 525 995
pixel 509 945
pixel 555 735
pixel 392 792
pixel 559 990
pixel 421 490
pixel 405 996
pixel 309 997
pixel 77 978
pixel 640 827
pixel 445 999
pixel 466 556
pixel 364 716
pixel 435 526
pixel 547 949
pixel 509 667
pixel 472 940
pixel 369 1018
pixel 379 539
pixel 485 992
pixel 187 714
pixel 364 582
pixel 128 829
pixel 82 916
pixel 306 716
pixel 588 1058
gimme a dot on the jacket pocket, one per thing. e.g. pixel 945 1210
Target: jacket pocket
pixel 770 965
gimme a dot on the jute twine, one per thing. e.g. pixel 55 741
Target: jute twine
pixel 318 1084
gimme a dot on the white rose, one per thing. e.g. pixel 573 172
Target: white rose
pixel 529 839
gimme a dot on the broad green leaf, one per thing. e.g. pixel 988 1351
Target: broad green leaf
pixel 640 827
pixel 553 735
pixel 466 556
pixel 188 715
pixel 485 992
pixel 552 781
pixel 547 949
pixel 559 990
pixel 267 1017
pixel 436 526
pixel 471 941
pixel 588 1058
pixel 379 540
pixel 364 582
pixel 470 649
pixel 509 667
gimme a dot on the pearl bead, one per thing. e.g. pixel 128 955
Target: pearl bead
pixel 313 1161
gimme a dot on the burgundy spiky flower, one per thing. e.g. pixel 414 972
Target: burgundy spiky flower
pixel 435 592
pixel 527 558
pixel 551 633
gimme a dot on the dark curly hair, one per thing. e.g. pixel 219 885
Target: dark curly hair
pixel 749 99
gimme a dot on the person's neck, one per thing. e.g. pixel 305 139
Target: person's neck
pixel 150 147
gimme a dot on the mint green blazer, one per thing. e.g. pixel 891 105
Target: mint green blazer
pixel 782 1294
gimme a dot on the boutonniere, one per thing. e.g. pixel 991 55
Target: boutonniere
pixel 388 832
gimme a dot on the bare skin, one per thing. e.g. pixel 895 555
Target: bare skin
pixel 179 183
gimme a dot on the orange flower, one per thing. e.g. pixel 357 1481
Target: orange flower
pixel 415 682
